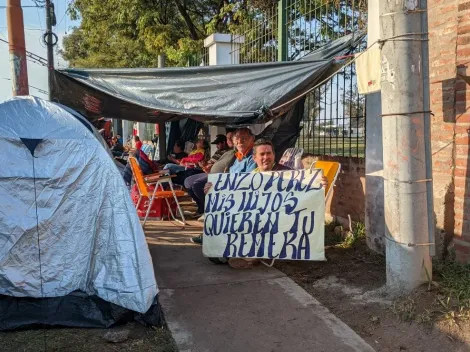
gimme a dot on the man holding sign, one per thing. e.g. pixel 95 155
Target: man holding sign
pixel 272 213
pixel 243 140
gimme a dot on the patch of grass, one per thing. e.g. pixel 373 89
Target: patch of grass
pixel 357 235
pixel 448 297
pixel 87 340
pixel 336 235
pixel 333 146
pixel 333 233
pixel 454 291
pixel 405 309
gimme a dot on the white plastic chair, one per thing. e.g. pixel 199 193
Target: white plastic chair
pixel 292 158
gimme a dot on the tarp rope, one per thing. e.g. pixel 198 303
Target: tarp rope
pixel 381 42
pixel 350 62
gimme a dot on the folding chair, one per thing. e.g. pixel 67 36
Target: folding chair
pixel 290 156
pixel 157 180
pixel 331 170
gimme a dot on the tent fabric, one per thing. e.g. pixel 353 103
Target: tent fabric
pixel 230 95
pixel 67 222
pixel 77 310
pixel 285 131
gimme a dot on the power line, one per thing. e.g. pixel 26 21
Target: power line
pixel 30 86
pixel 39 18
pixel 65 14
pixel 25 6
pixel 31 55
pixel 26 28
pixel 39 60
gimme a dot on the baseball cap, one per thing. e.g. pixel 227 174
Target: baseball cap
pixel 220 138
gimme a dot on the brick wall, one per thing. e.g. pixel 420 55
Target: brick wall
pixel 449 27
pixel 349 193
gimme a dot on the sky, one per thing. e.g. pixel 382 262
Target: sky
pixel 35 23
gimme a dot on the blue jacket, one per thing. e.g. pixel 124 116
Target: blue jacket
pixel 247 164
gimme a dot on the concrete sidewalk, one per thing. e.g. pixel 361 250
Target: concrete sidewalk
pixel 212 308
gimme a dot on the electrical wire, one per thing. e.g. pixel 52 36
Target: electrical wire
pixel 30 54
pixel 64 16
pixel 30 86
pixel 25 6
pixel 39 18
pixel 26 28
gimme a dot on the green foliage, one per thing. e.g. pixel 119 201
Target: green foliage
pixel 357 235
pixel 455 280
pixel 131 33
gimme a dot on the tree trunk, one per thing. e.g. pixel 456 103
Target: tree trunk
pixel 192 28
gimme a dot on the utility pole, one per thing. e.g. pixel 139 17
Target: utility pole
pixel 17 48
pixel 161 125
pixel 50 18
pixel 405 115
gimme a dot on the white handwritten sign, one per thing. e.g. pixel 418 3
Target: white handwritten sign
pixel 273 215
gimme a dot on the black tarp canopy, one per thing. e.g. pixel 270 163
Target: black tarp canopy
pixel 231 95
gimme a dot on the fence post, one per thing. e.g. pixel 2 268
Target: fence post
pixel 282 30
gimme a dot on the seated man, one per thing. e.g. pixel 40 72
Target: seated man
pixel 194 181
pixel 196 156
pixel 264 157
pixel 242 162
pixel 117 149
pixel 204 166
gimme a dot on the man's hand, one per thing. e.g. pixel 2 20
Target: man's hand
pixel 324 182
pixel 207 187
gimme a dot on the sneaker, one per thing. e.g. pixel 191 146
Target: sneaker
pixel 197 240
pixel 219 260
pixel 201 219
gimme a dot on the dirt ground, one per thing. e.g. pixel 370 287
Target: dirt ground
pixel 350 284
pixel 140 339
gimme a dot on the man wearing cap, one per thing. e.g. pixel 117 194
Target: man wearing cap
pixel 221 159
pixel 220 142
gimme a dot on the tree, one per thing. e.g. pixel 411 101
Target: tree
pixel 131 33
pixel 355 108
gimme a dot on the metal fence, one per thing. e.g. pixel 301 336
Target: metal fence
pixel 199 59
pixel 256 39
pixel 334 116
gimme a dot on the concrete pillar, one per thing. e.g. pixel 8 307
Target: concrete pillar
pixel 221 52
pixel 374 214
pixel 127 127
pixel 221 49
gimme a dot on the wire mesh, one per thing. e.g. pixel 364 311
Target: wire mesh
pixel 334 116
pixel 199 59
pixel 256 39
